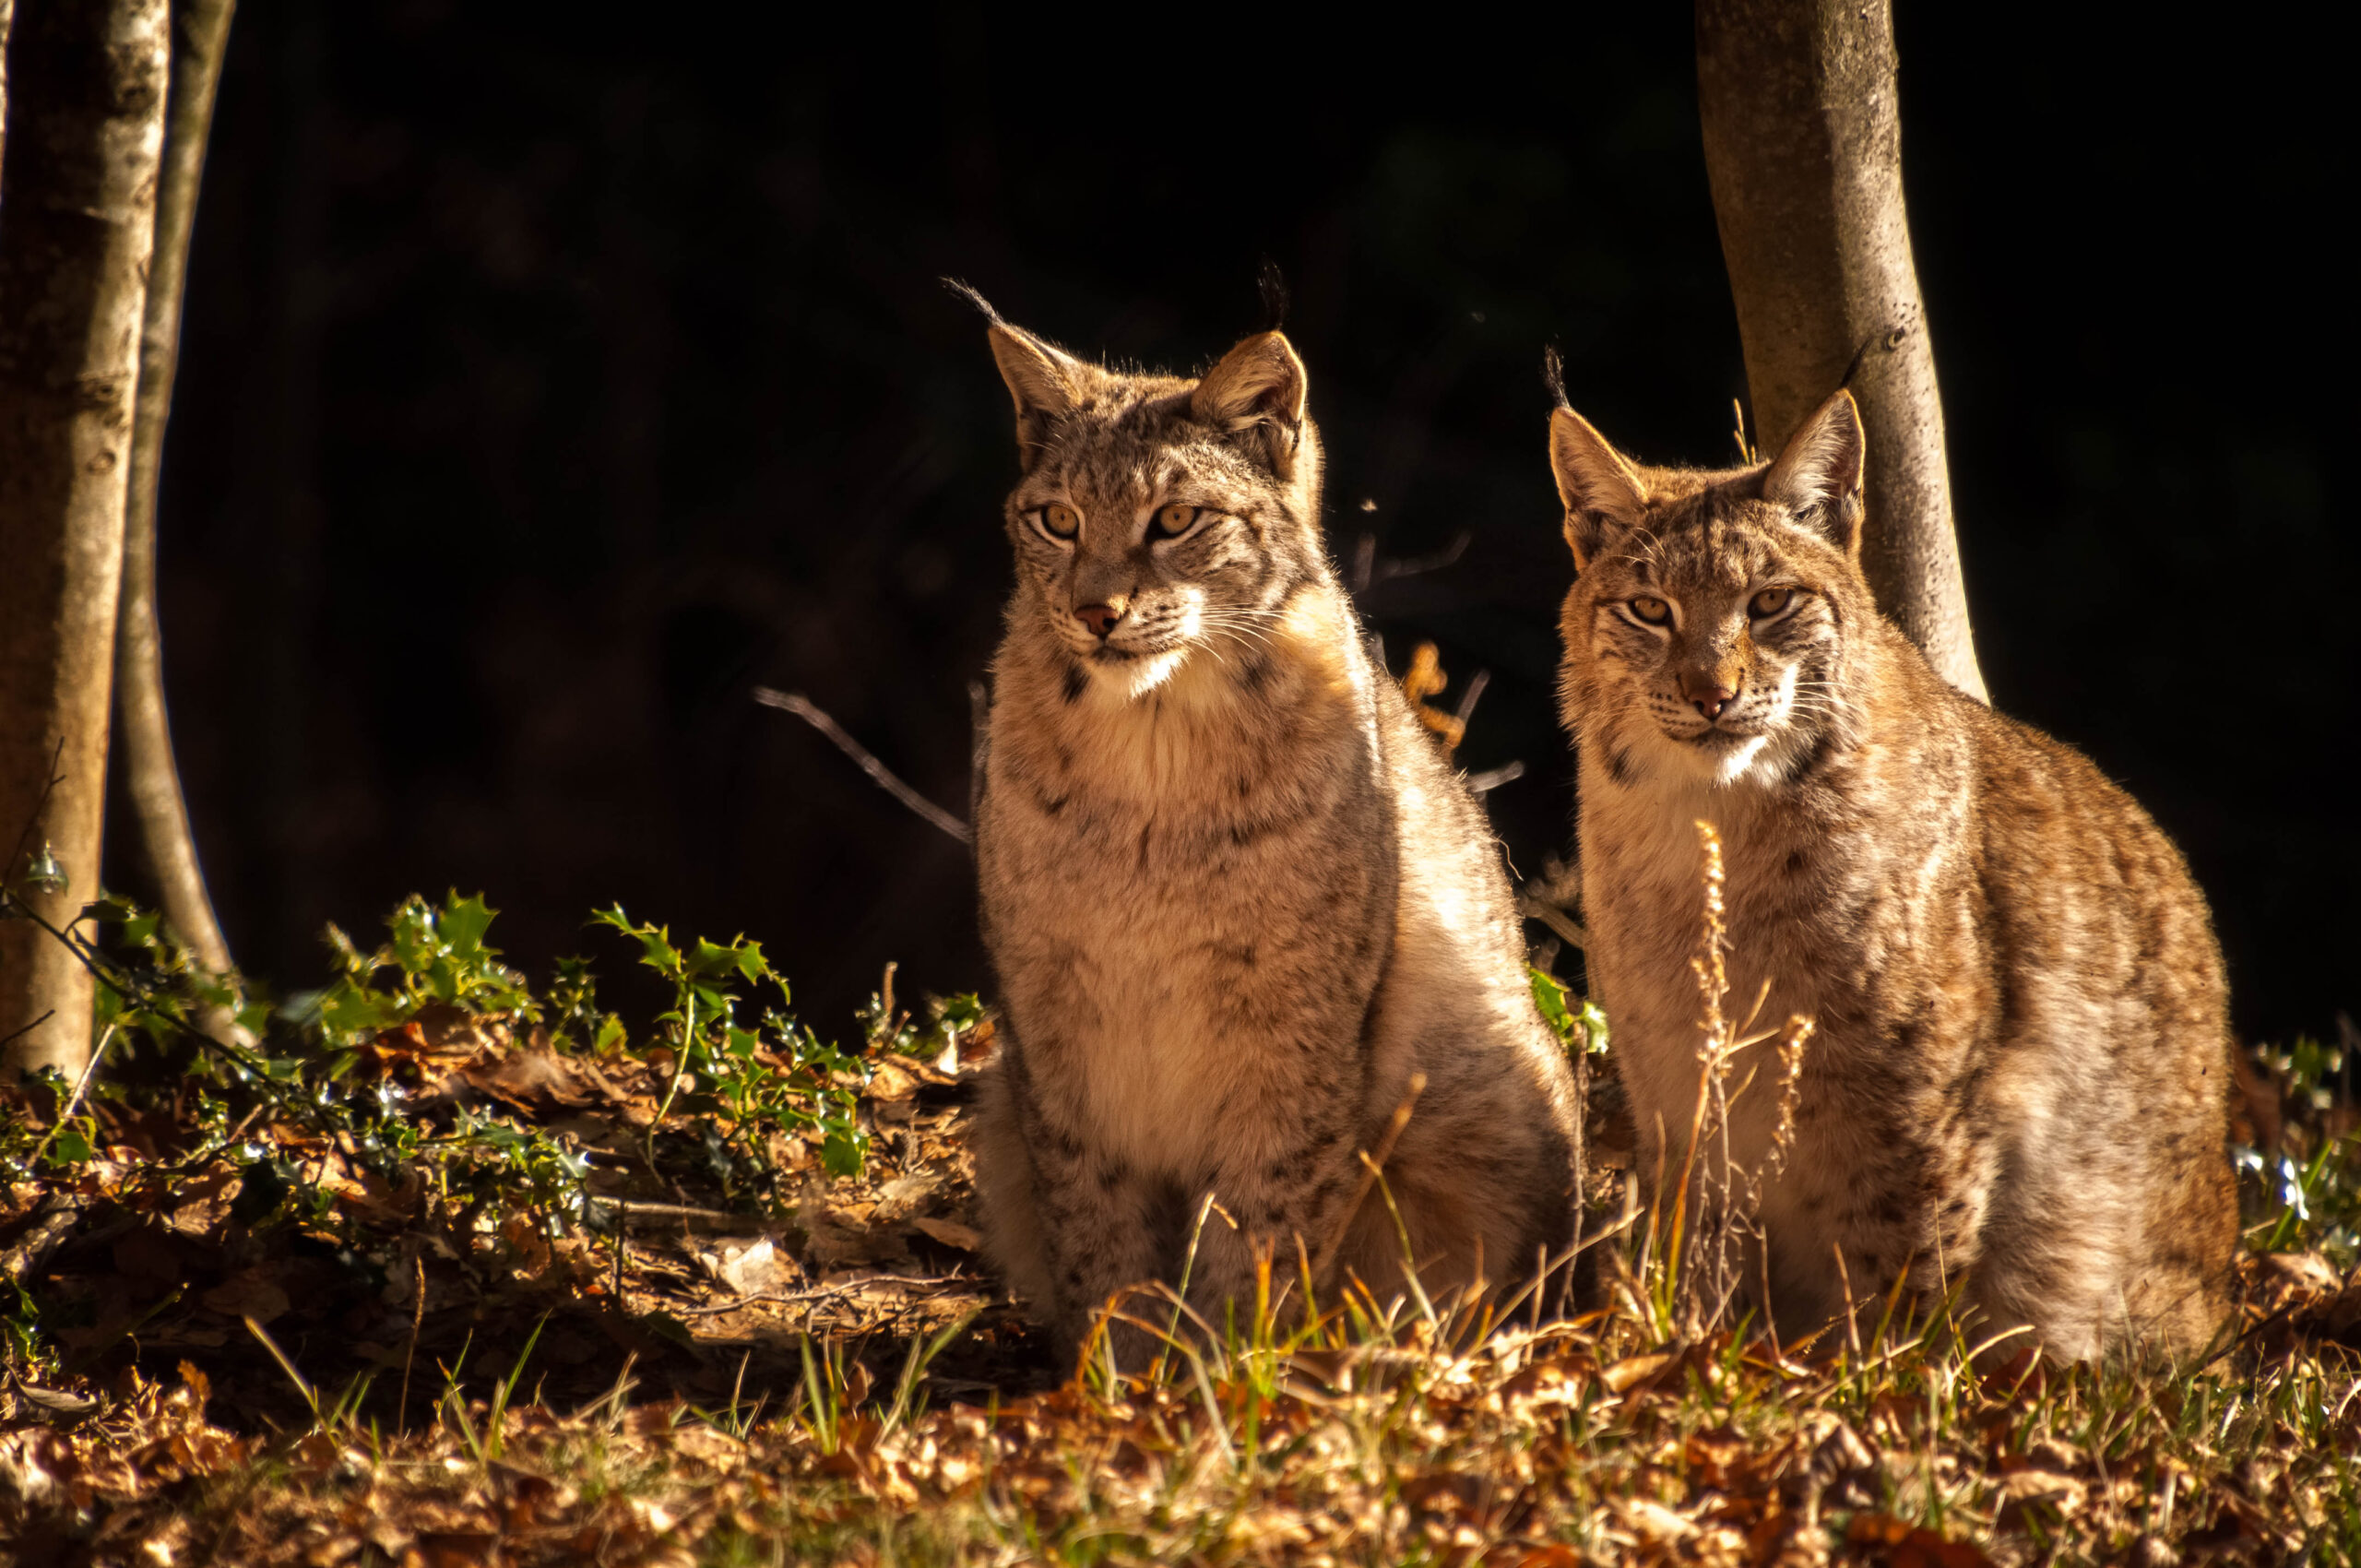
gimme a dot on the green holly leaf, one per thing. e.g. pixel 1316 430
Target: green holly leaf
pixel 463 922
pixel 1577 1022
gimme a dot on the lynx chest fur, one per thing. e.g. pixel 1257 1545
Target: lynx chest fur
pixel 1238 906
pixel 1168 875
pixel 2019 1083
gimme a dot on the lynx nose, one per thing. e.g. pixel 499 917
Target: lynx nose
pixel 1711 700
pixel 1102 618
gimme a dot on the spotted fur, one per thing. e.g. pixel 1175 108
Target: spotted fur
pixel 2020 1073
pixel 1235 899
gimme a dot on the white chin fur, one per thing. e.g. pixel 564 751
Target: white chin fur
pixel 1715 766
pixel 1734 764
pixel 1136 678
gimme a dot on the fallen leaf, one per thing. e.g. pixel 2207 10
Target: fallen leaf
pixel 753 1269
pixel 532 1080
pixel 1654 1521
pixel 950 1233
pixel 1632 1371
pixel 900 1195
pixel 2308 1272
pixel 247 1295
pixel 57 1400
pixel 2021 1486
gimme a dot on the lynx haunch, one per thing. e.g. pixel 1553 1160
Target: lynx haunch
pixel 2020 1081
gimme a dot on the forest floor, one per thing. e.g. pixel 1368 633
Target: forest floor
pixel 433 1270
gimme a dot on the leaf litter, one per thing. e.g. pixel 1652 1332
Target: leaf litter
pixel 627 1301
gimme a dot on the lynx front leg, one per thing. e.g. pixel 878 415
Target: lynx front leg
pixel 1064 1225
pixel 1099 1221
pixel 1290 1204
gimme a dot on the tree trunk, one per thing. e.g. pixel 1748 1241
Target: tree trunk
pixel 7 16
pixel 78 201
pixel 1803 147
pixel 150 773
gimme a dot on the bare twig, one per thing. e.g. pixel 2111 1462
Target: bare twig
pixel 32 820
pixel 1491 778
pixel 1556 919
pixel 802 706
pixel 1471 696
pixel 19 1033
pixel 824 1292
pixel 1415 565
pixel 81 1087
pixel 417 1325
pixel 1366 570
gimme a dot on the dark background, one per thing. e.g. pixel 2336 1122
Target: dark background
pixel 551 381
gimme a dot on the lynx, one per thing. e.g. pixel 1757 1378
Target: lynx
pixel 2020 1080
pixel 1238 904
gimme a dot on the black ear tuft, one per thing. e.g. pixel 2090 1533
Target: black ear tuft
pixel 967 291
pixel 1553 375
pixel 1274 284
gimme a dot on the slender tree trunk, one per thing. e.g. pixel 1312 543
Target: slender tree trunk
pixel 149 770
pixel 78 203
pixel 1803 146
pixel 7 17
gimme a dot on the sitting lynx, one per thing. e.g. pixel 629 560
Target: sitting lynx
pixel 1237 902
pixel 2021 1076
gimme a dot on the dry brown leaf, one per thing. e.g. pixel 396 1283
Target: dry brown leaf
pixel 247 1294
pixel 900 1195
pixel 1632 1371
pixel 2308 1272
pixel 1653 1522
pixel 2024 1486
pixel 950 1233
pixel 753 1268
pixel 532 1081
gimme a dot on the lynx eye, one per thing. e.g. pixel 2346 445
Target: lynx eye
pixel 1172 522
pixel 1059 521
pixel 1770 601
pixel 1654 611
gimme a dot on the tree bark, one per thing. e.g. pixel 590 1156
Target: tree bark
pixel 150 773
pixel 78 201
pixel 1803 147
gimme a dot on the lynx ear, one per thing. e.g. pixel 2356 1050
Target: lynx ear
pixel 1818 476
pixel 1257 393
pixel 1598 487
pixel 1045 382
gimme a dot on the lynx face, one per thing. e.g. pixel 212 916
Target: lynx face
pixel 1158 521
pixel 1714 632
pixel 1705 635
